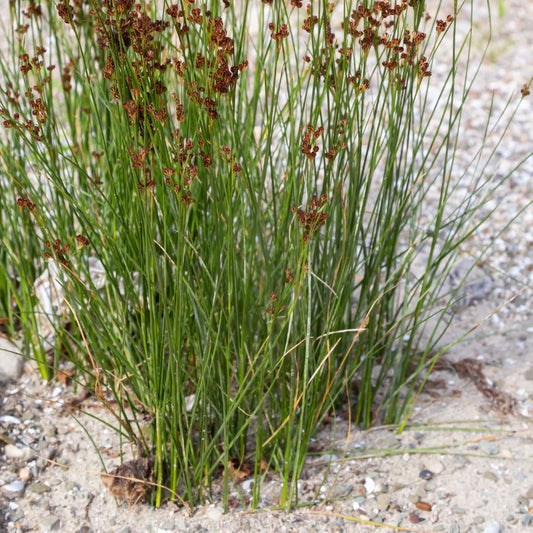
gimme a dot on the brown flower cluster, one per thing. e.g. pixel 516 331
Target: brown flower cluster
pixel 369 26
pixel 278 34
pixel 441 25
pixel 28 110
pixel 312 219
pixel 309 147
pixel 275 306
pixel 58 252
pixel 26 203
pixel 210 72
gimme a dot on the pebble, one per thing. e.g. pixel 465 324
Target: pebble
pixel 529 493
pixel 38 488
pixel 214 513
pixel 341 491
pixel 50 523
pixel 420 492
pixel 432 464
pixel 13 489
pixel 387 441
pixel 383 501
pixel 508 454
pixel 490 448
pixel 11 361
pixel 167 525
pixel 490 475
pixel 248 485
pixel 493 527
pixel 24 474
pixel 14 452
pixel 10 420
pixel 370 485
pixel 425 474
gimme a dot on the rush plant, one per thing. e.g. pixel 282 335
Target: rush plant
pixel 218 211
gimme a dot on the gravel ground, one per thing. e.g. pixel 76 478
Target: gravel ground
pixel 463 464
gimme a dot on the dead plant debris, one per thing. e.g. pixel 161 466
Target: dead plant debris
pixel 131 480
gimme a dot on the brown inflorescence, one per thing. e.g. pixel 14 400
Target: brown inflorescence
pixel 82 241
pixel 312 219
pixel 278 34
pixel 26 203
pixel 309 147
pixel 369 27
pixel 58 252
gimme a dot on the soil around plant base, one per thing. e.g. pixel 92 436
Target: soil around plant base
pixel 463 462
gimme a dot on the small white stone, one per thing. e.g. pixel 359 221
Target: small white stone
pixel 11 361
pixel 370 485
pixel 214 513
pixel 493 527
pixel 8 419
pixel 433 465
pixel 13 452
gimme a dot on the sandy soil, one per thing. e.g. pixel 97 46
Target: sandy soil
pixel 464 463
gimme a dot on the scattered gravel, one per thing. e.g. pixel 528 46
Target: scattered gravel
pixel 458 467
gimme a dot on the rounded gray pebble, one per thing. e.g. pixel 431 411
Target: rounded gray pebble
pixel 490 448
pixel 425 474
pixel 340 491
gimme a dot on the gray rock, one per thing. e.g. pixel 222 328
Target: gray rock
pixel 387 441
pixel 488 474
pixel 526 520
pixel 490 448
pixel 340 491
pixel 167 525
pixel 11 361
pixel 529 374
pixel 13 489
pixel 38 488
pixel 50 523
pixel 493 527
pixel 425 474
